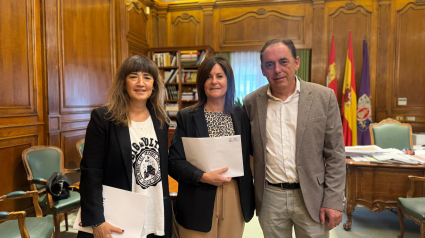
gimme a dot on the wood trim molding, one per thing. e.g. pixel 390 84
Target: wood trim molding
pixel 418 5
pixel 186 18
pixel 64 109
pixel 261 13
pixel 136 5
pixel 31 38
pixel 351 8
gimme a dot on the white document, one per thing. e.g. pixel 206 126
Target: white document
pixel 209 154
pixel 122 209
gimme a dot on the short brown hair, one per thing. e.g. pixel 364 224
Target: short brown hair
pixel 286 42
pixel 203 75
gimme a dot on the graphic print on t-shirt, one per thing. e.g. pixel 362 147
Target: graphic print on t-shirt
pixel 146 167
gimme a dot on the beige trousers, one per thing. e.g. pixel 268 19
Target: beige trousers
pixel 284 208
pixel 228 221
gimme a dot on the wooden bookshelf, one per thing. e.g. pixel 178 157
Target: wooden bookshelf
pixel 158 55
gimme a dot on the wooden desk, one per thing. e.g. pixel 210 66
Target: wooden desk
pixel 378 186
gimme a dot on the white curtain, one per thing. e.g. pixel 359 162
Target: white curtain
pixel 247 71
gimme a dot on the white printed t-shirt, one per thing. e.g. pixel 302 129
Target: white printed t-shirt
pixel 147 174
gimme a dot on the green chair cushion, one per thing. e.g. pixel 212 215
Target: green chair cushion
pixel 38 227
pixel 391 135
pixel 414 207
pixel 43 163
pixel 16 194
pixel 61 205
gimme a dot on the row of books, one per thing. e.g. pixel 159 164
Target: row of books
pixel 165 59
pixel 193 95
pixel 189 76
pixel 171 108
pixel 191 57
pixel 171 92
pixel 171 76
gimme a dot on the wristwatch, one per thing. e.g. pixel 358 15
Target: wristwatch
pixel 96 225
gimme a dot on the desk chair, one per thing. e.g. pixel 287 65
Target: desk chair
pixel 40 162
pixel 80 147
pixel 390 133
pixel 412 208
pixel 16 224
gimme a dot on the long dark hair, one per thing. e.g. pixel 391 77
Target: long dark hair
pixel 203 75
pixel 118 98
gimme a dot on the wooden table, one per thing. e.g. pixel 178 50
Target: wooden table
pixel 378 186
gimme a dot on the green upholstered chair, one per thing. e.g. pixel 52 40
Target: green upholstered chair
pixel 80 147
pixel 412 208
pixel 16 224
pixel 40 162
pixel 390 133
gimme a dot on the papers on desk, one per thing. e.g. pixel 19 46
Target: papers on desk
pixel 123 209
pixel 375 154
pixel 209 154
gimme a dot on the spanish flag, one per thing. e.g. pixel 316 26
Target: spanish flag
pixel 331 81
pixel 349 100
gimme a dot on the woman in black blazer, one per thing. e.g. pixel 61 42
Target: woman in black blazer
pixel 208 204
pixel 115 150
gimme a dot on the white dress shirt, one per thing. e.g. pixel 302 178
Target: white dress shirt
pixel 281 128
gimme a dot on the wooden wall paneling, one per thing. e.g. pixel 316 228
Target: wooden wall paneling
pixel 408 78
pixel 248 28
pixel 155 27
pixel 318 50
pixel 208 23
pixel 343 18
pixel 21 92
pixel 87 56
pixel 163 24
pixel 383 60
pixel 185 28
pixel 135 30
pixel 12 171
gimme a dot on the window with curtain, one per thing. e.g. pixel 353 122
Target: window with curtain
pixel 247 71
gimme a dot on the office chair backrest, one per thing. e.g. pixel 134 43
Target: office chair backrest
pixel 43 161
pixel 390 133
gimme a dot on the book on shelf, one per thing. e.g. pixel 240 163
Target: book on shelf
pixel 168 75
pixel 189 75
pixel 201 58
pixel 166 59
pixel 187 96
pixel 172 92
pixel 171 106
pixel 195 92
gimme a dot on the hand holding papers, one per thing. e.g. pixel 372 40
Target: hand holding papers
pixel 122 209
pixel 209 154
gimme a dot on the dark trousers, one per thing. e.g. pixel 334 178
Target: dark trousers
pixel 153 236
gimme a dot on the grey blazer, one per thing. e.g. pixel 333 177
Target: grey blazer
pixel 318 136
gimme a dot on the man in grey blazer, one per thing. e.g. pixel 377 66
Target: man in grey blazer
pixel 299 158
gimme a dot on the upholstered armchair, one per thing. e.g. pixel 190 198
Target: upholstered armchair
pixel 390 133
pixel 40 162
pixel 80 147
pixel 412 208
pixel 16 224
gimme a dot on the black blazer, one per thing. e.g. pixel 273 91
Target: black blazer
pixel 195 200
pixel 107 161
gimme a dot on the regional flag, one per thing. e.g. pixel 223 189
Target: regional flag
pixel 348 103
pixel 364 106
pixel 331 81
